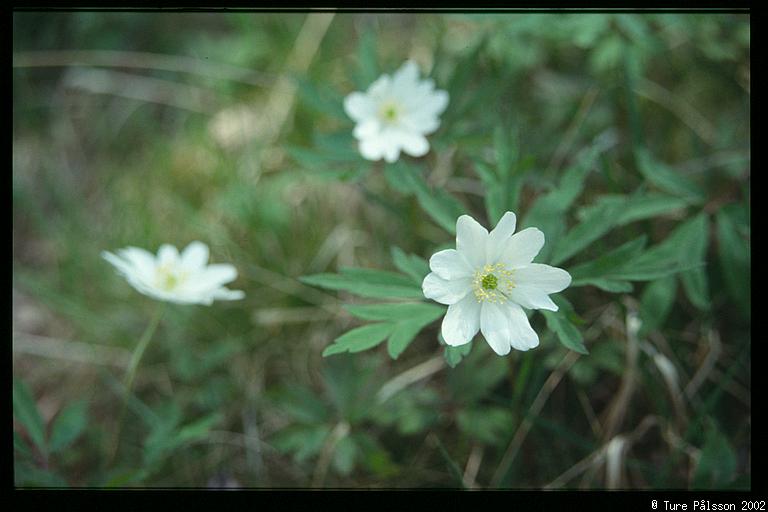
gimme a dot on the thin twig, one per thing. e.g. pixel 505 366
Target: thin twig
pixel 408 377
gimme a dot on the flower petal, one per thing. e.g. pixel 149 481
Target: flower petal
pixel 532 298
pixel 167 255
pixel 450 264
pixel 461 322
pixel 445 291
pixel 359 106
pixel 227 294
pixel 195 256
pixel 522 247
pixel 470 240
pixel 544 277
pixel 405 79
pixel 372 148
pixel 367 128
pixel 499 236
pixel 495 327
pixel 523 336
pixel 414 144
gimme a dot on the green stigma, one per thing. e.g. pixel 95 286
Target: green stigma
pixel 490 282
pixel 390 113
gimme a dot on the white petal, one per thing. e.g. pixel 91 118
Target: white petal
pixel 415 144
pixel 471 240
pixel 522 247
pixel 445 291
pixel 450 264
pixel 461 322
pixel 359 106
pixel 544 277
pixel 391 152
pixel 372 148
pixel 532 298
pixel 494 324
pixel 227 294
pixel 380 87
pixel 523 335
pixel 143 262
pixel 405 79
pixel 167 255
pixel 434 104
pixel 367 128
pixel 195 256
pixel 499 236
pixel 419 124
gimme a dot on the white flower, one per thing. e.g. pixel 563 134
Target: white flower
pixel 396 113
pixel 486 280
pixel 184 278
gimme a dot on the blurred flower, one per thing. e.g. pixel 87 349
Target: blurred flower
pixel 396 113
pixel 486 280
pixel 184 278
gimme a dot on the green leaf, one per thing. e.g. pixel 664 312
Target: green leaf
pixel 637 207
pixel 441 206
pixel 303 441
pixel 403 335
pixel 734 255
pixel 454 355
pixel 612 260
pixel 557 321
pixel 656 302
pixel 198 429
pixel 695 281
pixel 25 411
pixel 359 339
pixel 667 179
pixel 396 312
pixel 599 222
pixel 301 404
pixel 320 98
pixel 367 61
pixel 490 425
pixel 410 264
pixel 717 462
pixel 68 425
pixel 367 283
pixel 344 455
pixel 608 285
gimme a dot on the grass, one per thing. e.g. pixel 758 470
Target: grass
pixel 139 129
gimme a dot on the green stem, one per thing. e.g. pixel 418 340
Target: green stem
pixel 130 374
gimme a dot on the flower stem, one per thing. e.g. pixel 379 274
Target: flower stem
pixel 130 374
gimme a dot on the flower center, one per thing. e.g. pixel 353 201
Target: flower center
pixel 389 112
pixel 169 278
pixel 492 283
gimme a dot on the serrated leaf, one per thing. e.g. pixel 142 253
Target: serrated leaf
pixel 667 179
pixel 360 338
pixel 25 411
pixel 410 264
pixel 68 425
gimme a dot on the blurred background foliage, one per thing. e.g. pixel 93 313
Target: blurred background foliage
pixel 146 128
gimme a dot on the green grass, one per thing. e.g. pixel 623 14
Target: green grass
pixel 561 117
